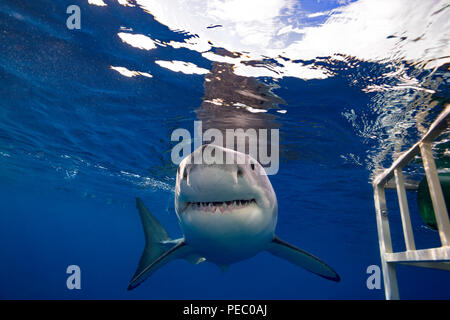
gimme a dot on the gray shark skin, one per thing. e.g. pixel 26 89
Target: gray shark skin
pixel 227 212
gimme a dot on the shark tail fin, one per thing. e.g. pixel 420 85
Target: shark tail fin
pixel 302 259
pixel 159 247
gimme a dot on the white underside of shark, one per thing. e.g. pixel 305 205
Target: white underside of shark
pixel 227 212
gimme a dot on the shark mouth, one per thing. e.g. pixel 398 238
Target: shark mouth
pixel 219 206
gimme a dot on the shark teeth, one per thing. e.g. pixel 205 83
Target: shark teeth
pixel 219 206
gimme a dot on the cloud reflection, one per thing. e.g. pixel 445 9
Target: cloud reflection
pixel 99 3
pixel 368 30
pixel 130 73
pixel 181 66
pixel 139 41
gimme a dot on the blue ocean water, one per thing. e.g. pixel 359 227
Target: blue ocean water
pixel 86 117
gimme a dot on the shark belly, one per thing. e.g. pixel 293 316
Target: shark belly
pixel 227 238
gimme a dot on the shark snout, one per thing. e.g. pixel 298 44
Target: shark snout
pixel 211 182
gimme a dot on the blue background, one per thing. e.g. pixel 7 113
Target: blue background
pixel 72 130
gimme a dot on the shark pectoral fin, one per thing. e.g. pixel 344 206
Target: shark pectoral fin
pixel 159 246
pixel 302 259
pixel 180 250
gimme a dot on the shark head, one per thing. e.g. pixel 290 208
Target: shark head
pixel 225 205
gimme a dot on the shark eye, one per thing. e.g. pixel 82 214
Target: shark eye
pixel 252 165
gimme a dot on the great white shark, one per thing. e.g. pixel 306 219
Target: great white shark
pixel 227 213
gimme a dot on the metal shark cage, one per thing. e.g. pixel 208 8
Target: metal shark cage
pixel 438 258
